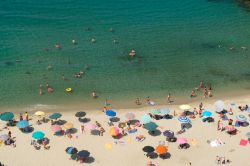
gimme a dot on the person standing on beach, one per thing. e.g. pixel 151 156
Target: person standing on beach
pixel 169 99
pixel 26 116
pixel 9 134
pixel 205 92
pixel 82 128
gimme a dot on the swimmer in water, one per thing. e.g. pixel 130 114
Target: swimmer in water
pixel 94 95
pixel 93 40
pixel 74 42
pixel 111 29
pixel 49 67
pixel 40 89
pixel 57 46
pixel 132 53
pixel 49 89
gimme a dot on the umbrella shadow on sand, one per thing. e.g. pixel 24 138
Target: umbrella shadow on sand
pixel 152 155
pixel 165 156
pixel 154 133
pixel 89 160
pixel 133 122
pixel 84 120
pixel 72 131
pixel 60 122
pixel 95 132
pixel 27 130
pixel 115 119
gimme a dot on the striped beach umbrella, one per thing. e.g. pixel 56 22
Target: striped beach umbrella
pixel 241 118
pixel 22 124
pixel 183 119
pixel 38 135
pixel 110 113
pixel 145 119
pixel 114 131
pixel 6 116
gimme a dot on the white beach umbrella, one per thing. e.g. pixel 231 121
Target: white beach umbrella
pixel 219 106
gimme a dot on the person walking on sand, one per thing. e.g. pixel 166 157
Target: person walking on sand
pixel 205 92
pixel 26 116
pixel 169 98
pixel 82 128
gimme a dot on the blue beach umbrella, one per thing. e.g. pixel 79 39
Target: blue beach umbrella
pixel 6 116
pixel 183 119
pixel 151 126
pixel 38 135
pixel 110 113
pixel 71 150
pixel 168 134
pixel 22 124
pixel 241 118
pixel 145 119
pixel 55 116
pixel 207 113
pixel 83 154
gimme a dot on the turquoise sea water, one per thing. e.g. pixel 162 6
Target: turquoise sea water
pixel 177 44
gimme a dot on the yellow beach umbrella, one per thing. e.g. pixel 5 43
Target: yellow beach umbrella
pixel 185 107
pixel 68 125
pixel 39 113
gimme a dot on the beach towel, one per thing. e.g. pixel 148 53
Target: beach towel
pixel 243 142
pixel 108 146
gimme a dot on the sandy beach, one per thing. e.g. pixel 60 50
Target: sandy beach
pixel 105 150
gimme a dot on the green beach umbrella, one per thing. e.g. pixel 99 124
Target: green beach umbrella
pixel 145 119
pixel 151 126
pixel 38 135
pixel 155 111
pixel 55 116
pixel 6 116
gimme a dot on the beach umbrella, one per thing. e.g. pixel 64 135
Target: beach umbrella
pixel 148 149
pixel 39 113
pixel 230 128
pixel 161 149
pixel 130 116
pixel 114 131
pixel 155 111
pixel 219 106
pixel 185 107
pixel 183 119
pixel 151 126
pixel 110 113
pixel 4 137
pixel 248 135
pixel 55 116
pixel 168 134
pixel 164 111
pixel 206 113
pixel 122 125
pixel 181 140
pixel 56 128
pixel 241 118
pixel 38 135
pixel 80 114
pixel 83 154
pixel 6 116
pixel 68 125
pixel 145 119
pixel 90 126
pixel 71 150
pixel 22 124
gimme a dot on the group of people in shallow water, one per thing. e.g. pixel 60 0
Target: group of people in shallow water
pixel 207 92
pixel 48 87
